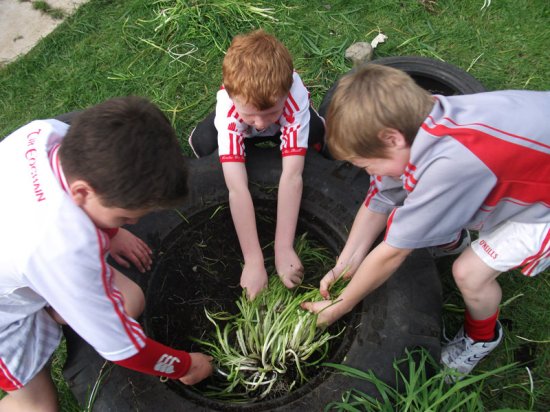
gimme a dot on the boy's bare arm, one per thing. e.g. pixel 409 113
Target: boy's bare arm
pixel 254 275
pixel 287 262
pixel 366 228
pixel 377 267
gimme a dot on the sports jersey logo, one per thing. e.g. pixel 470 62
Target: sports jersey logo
pixel 290 118
pixel 165 364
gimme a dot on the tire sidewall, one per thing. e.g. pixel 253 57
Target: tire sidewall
pixel 453 77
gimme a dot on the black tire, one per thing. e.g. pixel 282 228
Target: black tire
pixel 433 75
pixel 403 313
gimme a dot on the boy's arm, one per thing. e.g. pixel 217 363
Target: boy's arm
pixel 287 262
pixel 81 288
pixel 254 275
pixel 366 228
pixel 160 360
pixel 377 267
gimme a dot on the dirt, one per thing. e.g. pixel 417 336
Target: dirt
pixel 22 26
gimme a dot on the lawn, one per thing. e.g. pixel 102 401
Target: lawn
pixel 171 52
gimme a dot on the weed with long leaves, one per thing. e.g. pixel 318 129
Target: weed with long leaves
pixel 266 346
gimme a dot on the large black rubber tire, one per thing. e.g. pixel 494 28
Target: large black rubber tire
pixel 403 313
pixel 433 75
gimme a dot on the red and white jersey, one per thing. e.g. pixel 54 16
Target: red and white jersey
pixel 52 253
pixel 293 125
pixel 477 161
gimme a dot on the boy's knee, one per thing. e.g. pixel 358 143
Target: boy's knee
pixel 316 129
pixel 38 395
pixel 204 138
pixel 134 298
pixel 462 272
pixel 135 301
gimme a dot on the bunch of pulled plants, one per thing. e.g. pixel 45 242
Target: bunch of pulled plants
pixel 265 349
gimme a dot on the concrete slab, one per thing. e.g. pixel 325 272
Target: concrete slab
pixel 22 26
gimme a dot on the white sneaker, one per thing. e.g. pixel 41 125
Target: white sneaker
pixel 463 353
pixel 462 243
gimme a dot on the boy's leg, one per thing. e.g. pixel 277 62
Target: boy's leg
pixel 38 395
pixel 316 138
pixel 512 245
pixel 204 138
pixel 134 299
pixel 481 332
pixel 478 284
pixel 454 248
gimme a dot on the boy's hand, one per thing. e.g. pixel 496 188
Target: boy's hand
pixel 201 368
pixel 253 279
pixel 329 311
pixel 126 248
pixel 343 270
pixel 289 267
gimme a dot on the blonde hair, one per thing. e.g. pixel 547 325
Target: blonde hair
pixel 368 100
pixel 258 69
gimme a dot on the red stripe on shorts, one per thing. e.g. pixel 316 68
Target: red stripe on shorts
pixel 8 382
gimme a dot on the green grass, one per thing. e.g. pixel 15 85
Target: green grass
pixel 420 386
pixel 524 313
pixel 114 48
pixel 44 7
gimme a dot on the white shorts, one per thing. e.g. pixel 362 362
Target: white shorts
pixel 512 245
pixel 25 348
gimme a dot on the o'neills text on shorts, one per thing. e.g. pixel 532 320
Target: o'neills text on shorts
pixel 488 249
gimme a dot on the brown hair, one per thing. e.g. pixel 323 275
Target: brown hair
pixel 258 69
pixel 127 150
pixel 366 101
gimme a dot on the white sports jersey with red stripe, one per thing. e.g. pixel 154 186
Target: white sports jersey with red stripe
pixel 477 161
pixel 293 125
pixel 51 254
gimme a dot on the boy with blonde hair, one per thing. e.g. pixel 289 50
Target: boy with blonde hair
pixel 262 97
pixel 66 191
pixel 440 165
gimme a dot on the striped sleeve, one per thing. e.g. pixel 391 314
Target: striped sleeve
pixel 384 194
pixel 230 127
pixel 295 120
pixel 159 360
pixel 69 270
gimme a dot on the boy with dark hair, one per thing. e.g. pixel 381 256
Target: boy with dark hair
pixel 440 165
pixel 66 191
pixel 261 97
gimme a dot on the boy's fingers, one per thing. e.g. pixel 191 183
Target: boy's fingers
pixel 306 306
pixel 145 248
pixel 323 287
pixel 121 261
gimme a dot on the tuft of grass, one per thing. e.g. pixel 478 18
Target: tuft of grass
pixel 45 8
pixel 417 390
pixel 265 347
